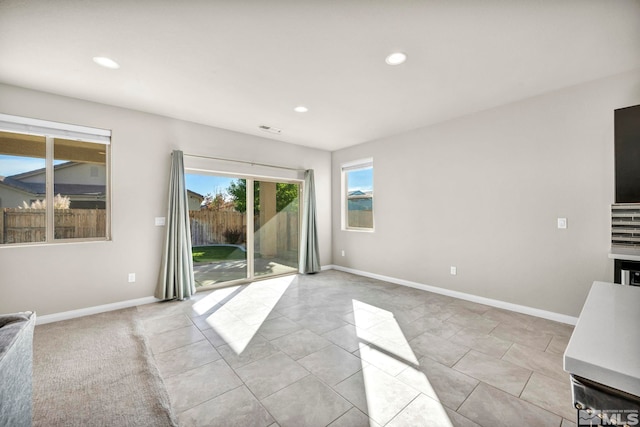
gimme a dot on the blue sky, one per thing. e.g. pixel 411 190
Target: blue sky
pixel 361 179
pixel 12 165
pixel 205 184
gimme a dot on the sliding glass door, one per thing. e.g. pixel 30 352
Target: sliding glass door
pixel 218 230
pixel 225 249
pixel 276 229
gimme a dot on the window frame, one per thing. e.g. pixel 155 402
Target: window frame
pixel 52 131
pixel 345 168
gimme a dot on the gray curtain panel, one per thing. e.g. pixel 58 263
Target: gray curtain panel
pixel 176 274
pixel 309 261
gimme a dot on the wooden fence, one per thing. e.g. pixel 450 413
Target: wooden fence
pixel 361 219
pixel 29 225
pixel 207 227
pixel 211 227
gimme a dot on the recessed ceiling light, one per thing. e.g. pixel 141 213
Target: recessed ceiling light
pixel 396 58
pixel 301 109
pixel 106 62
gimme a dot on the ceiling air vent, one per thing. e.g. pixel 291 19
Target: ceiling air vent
pixel 270 129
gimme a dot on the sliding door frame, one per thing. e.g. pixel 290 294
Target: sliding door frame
pixel 250 235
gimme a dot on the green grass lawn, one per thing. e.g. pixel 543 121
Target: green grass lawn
pixel 217 253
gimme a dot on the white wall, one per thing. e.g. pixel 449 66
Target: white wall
pixel 483 192
pixel 56 278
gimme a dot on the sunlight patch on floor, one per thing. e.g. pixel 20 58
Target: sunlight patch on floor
pixel 244 309
pixel 391 353
pixel 215 297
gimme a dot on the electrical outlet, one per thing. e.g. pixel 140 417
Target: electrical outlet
pixel 562 222
pixel 454 270
pixel 343 252
pixel 132 277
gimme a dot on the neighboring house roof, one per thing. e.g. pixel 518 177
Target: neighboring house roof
pixel 355 195
pixel 14 183
pixel 41 171
pixel 193 193
pixel 360 200
pixel 66 189
pixel 38 189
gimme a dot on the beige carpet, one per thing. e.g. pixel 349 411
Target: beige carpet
pixel 97 371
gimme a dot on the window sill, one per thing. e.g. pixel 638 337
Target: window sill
pixel 360 230
pixel 56 243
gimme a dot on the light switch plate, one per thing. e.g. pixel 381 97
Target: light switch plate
pixel 160 220
pixel 562 222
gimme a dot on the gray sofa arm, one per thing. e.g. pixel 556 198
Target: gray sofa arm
pixel 16 368
pixel 6 319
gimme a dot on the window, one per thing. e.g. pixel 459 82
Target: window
pixel 53 182
pixel 357 195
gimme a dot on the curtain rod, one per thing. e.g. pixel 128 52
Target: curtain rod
pixel 245 162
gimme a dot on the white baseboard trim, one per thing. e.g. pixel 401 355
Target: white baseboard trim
pixel 563 318
pixel 65 315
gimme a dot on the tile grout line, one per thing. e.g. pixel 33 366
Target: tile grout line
pixel 544 409
pixel 525 386
pixel 259 401
pixel 208 400
pixel 467 397
pixel 407 405
pixel 194 367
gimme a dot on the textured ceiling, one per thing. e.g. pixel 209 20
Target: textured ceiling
pixel 241 64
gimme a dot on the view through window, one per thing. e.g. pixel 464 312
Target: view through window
pixel 357 196
pixel 51 189
pixel 79 186
pixel 20 156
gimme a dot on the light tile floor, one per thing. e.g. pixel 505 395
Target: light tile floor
pixel 334 349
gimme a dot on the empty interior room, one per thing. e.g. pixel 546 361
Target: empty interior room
pixel 362 213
